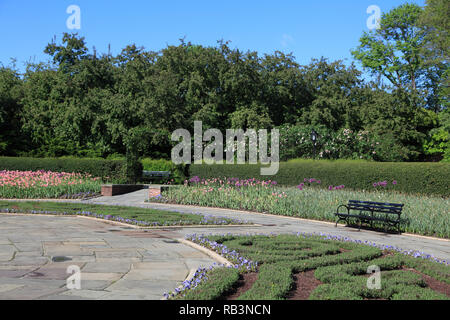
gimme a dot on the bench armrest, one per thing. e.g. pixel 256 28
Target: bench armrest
pixel 342 205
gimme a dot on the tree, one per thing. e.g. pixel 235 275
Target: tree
pixel 330 96
pixel 12 139
pixel 436 50
pixel 393 50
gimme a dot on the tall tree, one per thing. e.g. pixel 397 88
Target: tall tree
pixel 393 50
pixel 435 20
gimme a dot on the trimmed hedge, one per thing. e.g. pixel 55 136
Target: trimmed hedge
pixel 108 170
pixel 412 177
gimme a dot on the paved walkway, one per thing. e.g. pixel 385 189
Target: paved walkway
pixel 120 262
pixel 115 262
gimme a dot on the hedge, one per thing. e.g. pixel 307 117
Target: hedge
pixel 411 177
pixel 108 170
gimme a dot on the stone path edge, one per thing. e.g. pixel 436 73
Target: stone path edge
pixel 206 251
pixel 188 278
pixel 286 217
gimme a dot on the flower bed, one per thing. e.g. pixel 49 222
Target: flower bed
pixel 47 184
pixel 138 216
pixel 337 265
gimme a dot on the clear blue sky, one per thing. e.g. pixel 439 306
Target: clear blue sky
pixel 307 28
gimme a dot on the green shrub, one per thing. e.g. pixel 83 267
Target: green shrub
pixel 273 283
pixel 220 281
pixel 411 177
pixel 108 170
pixel 178 172
pixel 343 275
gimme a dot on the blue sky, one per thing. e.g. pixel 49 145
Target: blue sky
pixel 307 28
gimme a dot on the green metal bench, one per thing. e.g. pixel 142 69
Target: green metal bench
pixel 369 211
pixel 156 174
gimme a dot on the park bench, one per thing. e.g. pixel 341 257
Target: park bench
pixel 368 211
pixel 155 174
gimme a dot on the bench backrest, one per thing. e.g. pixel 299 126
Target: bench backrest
pixel 156 173
pixel 383 207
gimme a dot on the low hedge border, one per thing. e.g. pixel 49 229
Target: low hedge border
pixel 410 177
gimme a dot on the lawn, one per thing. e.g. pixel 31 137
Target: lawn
pixel 132 215
pixel 425 215
pixel 312 267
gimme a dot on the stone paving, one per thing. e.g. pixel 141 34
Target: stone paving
pixel 116 262
pixel 121 262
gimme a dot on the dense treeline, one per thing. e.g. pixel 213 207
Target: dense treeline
pixel 87 104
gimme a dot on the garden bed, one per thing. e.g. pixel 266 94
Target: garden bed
pixel 314 267
pixel 137 216
pixel 43 184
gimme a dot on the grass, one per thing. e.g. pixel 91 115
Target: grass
pixel 341 266
pixel 132 215
pixel 425 215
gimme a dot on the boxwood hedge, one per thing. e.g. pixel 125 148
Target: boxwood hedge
pixel 411 177
pixel 108 170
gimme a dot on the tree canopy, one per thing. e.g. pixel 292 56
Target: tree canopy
pixel 96 105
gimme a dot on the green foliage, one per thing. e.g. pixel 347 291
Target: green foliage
pixel 107 170
pixel 400 40
pixel 138 216
pixel 420 178
pixel 346 281
pixel 220 281
pixel 295 142
pixel 343 273
pixel 273 283
pixel 438 142
pixel 178 172
pixel 95 105
pixel 436 50
pixel 10 110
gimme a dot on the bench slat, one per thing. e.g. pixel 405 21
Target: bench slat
pixel 400 205
pixel 375 208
